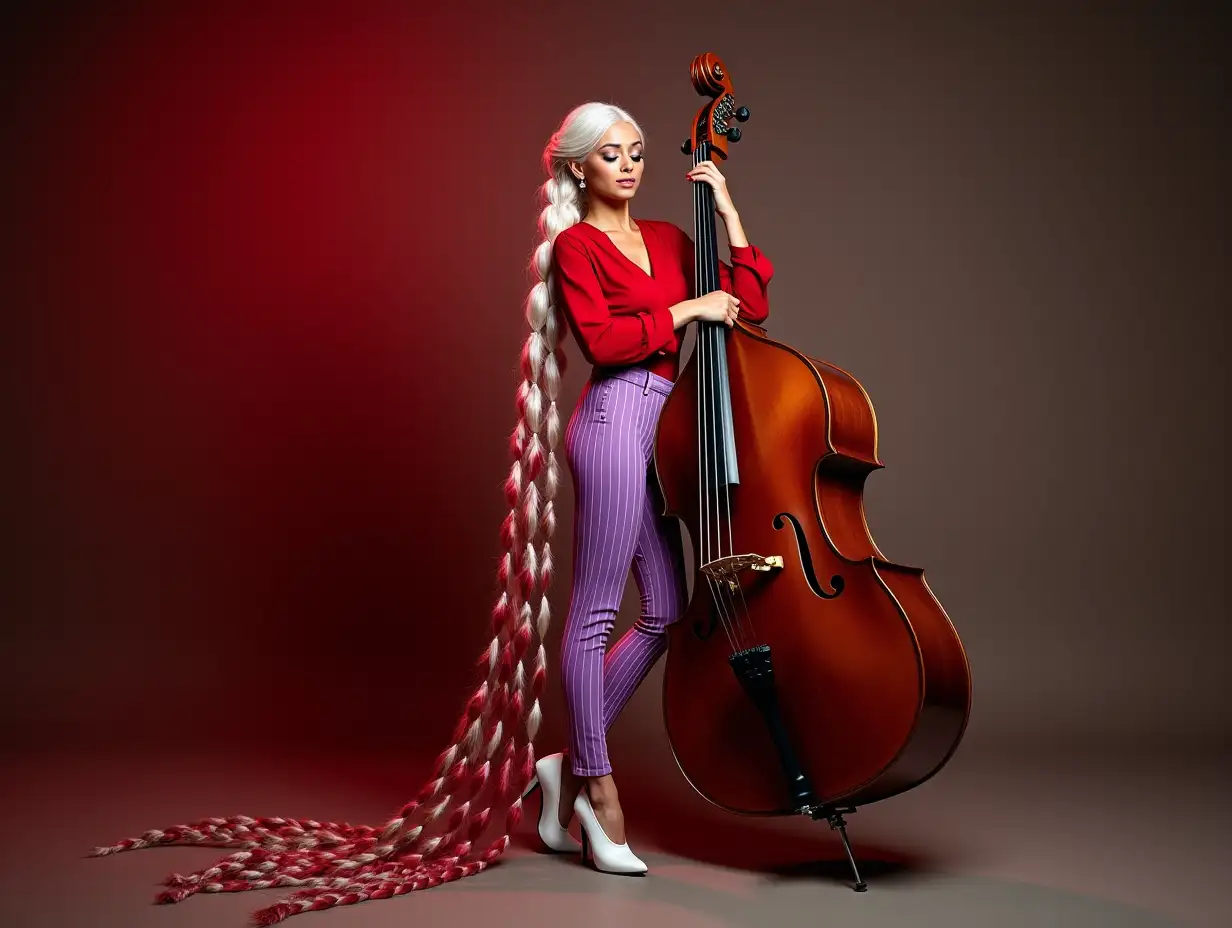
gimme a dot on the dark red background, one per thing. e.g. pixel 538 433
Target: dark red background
pixel 265 277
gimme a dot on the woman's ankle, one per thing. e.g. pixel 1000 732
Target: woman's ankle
pixel 602 790
pixel 606 803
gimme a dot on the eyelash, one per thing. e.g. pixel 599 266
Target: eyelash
pixel 613 158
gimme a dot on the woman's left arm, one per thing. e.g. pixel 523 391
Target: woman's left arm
pixel 748 276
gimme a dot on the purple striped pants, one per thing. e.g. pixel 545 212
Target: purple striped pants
pixel 617 524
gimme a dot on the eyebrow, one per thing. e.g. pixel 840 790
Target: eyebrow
pixel 617 144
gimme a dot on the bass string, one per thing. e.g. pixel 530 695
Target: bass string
pixel 704 430
pixel 713 489
pixel 720 336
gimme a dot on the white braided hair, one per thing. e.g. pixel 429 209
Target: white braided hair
pixel 523 614
pixel 538 429
pixel 334 863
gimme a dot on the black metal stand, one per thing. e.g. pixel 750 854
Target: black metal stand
pixel 755 672
pixel 834 815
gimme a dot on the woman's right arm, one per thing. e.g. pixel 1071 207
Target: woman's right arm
pixel 716 306
pixel 609 340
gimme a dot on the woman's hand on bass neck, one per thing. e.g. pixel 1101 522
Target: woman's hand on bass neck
pixel 719 305
pixel 707 172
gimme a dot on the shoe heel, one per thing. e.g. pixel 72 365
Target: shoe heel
pixel 548 774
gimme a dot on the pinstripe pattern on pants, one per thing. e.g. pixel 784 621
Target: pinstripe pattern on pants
pixel 609 445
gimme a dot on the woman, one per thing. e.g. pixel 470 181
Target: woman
pixel 623 287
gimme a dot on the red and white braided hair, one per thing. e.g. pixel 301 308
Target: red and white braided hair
pixel 437 837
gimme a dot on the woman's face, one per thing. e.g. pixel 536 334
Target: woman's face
pixel 614 169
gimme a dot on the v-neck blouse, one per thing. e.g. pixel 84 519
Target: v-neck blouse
pixel 620 315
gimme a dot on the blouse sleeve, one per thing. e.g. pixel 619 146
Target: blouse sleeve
pixel 747 278
pixel 606 339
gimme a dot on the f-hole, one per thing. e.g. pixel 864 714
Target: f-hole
pixel 806 558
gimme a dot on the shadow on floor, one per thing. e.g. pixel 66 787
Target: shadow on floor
pixel 692 830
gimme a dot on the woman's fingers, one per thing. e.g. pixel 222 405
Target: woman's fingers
pixel 705 170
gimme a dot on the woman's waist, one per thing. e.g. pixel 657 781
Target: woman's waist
pixel 643 376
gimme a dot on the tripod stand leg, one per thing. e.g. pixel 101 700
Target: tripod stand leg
pixel 835 818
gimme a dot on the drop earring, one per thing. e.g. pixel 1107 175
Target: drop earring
pixel 582 182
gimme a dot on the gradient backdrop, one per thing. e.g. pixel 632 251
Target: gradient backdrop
pixel 265 273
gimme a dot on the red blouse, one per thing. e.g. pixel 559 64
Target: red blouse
pixel 620 315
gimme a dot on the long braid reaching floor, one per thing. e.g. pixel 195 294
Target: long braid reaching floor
pixel 437 836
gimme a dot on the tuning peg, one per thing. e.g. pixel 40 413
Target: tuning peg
pixel 742 114
pixel 687 146
pixel 733 135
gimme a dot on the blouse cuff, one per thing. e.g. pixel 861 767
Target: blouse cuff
pixel 752 257
pixel 660 328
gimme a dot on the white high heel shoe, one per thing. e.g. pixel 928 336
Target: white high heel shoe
pixel 548 775
pixel 605 853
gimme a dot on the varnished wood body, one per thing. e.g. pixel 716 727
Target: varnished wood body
pixel 873 684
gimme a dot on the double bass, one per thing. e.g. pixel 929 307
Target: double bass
pixel 809 674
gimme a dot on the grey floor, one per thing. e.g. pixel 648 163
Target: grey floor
pixel 1050 837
